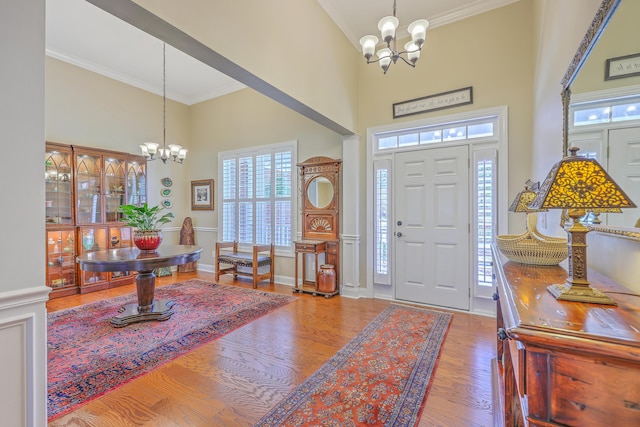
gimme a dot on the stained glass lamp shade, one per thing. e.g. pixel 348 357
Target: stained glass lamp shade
pixel 579 184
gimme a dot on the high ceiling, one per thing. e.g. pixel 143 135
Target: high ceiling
pixel 84 35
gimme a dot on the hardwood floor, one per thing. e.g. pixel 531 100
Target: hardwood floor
pixel 234 380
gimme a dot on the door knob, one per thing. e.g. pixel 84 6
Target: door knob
pixel 399 234
pixel 399 222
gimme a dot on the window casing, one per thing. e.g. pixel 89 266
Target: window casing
pixel 257 195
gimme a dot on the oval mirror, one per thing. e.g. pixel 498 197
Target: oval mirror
pixel 320 192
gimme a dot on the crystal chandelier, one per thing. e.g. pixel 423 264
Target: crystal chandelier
pixel 387 27
pixel 172 151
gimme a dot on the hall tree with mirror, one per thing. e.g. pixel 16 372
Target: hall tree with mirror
pixel 320 200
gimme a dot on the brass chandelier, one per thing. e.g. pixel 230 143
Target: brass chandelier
pixel 174 152
pixel 388 26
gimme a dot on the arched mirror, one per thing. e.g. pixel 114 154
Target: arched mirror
pixel 320 192
pixel 601 104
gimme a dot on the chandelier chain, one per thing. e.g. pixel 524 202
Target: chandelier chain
pixel 175 152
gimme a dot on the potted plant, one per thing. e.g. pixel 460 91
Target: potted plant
pixel 145 221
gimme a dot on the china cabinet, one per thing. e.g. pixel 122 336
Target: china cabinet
pixel 84 189
pixel 320 196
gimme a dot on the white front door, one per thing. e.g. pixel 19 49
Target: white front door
pixel 624 168
pixel 432 227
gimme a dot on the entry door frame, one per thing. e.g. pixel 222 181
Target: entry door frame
pixel 480 302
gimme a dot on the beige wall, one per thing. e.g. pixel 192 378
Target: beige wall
pixel 308 57
pixel 614 256
pixel 497 63
pixel 614 42
pixel 556 41
pixel 519 63
pixel 87 109
pixel 246 119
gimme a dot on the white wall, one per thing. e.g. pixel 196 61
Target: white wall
pixel 22 290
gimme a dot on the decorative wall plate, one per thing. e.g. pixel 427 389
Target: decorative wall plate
pixel 167 203
pixel 167 182
pixel 165 192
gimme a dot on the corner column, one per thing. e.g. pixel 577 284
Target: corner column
pixel 350 237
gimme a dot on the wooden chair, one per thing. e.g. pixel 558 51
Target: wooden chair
pixel 238 260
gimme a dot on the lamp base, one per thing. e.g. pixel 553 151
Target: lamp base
pixel 575 293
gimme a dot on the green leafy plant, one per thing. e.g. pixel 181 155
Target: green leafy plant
pixel 144 218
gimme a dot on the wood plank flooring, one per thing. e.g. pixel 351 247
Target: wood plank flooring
pixel 234 380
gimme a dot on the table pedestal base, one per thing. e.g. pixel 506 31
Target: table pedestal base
pixel 131 313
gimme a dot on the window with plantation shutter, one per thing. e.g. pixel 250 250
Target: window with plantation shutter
pixel 257 195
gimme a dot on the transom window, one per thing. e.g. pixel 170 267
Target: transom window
pixel 469 129
pixel 606 111
pixel 258 188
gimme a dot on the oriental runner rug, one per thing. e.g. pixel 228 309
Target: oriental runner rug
pixel 381 377
pixel 87 357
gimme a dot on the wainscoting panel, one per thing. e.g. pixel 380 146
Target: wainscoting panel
pixel 23 359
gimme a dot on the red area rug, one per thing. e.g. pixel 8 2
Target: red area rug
pixel 381 377
pixel 87 357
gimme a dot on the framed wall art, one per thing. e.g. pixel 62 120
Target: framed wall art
pixel 202 195
pixel 622 66
pixel 439 101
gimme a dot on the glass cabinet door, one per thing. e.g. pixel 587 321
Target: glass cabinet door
pixel 58 187
pixel 89 188
pixel 136 183
pixel 114 183
pixel 61 258
pixel 120 237
pixel 92 239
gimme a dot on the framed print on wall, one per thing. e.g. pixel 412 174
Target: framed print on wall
pixel 202 195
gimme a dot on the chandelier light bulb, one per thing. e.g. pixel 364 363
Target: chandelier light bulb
pixel 387 27
pixel 368 46
pixel 384 56
pixel 152 148
pixel 418 31
pixel 413 51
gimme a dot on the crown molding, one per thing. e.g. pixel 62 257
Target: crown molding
pixel 128 80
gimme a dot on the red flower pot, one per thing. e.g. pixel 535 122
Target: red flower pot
pixel 147 240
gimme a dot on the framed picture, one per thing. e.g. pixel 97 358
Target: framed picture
pixel 439 101
pixel 202 195
pixel 622 66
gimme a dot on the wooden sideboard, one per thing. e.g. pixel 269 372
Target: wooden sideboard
pixel 564 363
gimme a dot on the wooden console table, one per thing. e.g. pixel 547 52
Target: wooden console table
pixel 302 247
pixel 144 262
pixel 564 363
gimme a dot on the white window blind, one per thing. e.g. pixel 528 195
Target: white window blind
pixel 257 195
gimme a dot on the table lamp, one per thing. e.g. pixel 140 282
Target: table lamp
pixel 521 205
pixel 578 184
